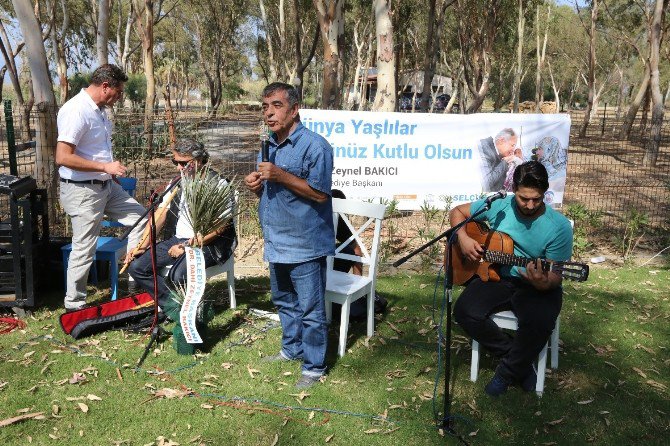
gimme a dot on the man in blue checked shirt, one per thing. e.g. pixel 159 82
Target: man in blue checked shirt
pixel 296 215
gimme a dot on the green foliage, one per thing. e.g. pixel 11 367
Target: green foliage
pixel 232 91
pixel 210 204
pixel 587 223
pixel 429 212
pixel 635 225
pixel 136 89
pixel 77 82
pixel 310 101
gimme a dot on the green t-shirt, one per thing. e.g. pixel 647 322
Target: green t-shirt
pixel 548 236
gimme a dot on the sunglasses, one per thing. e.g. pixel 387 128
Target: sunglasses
pixel 181 163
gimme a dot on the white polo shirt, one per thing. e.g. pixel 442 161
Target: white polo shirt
pixel 82 123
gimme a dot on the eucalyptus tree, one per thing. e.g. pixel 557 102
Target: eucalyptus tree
pixel 641 25
pixel 330 14
pixel 385 98
pixel 479 22
pixel 437 10
pixel 45 100
pixel 215 26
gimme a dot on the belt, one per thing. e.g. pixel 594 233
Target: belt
pixel 65 180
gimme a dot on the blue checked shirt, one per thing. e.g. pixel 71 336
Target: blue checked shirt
pixel 297 229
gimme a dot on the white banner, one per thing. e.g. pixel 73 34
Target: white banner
pixel 421 159
pixel 196 279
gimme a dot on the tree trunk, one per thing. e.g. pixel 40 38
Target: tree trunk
pixel 657 110
pixel 268 40
pixel 635 105
pixel 539 88
pixel 102 32
pixel 145 27
pixel 331 22
pixel 45 168
pixel 429 56
pixel 516 86
pixel 385 99
pixel 592 69
pixel 557 91
pixel 57 38
pixel 357 77
pixel 300 66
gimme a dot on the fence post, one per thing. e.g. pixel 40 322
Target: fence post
pixel 11 142
pixel 602 127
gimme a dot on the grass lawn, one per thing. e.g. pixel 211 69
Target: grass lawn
pixel 611 386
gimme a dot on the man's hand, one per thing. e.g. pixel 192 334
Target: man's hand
pixel 196 240
pixel 509 159
pixel 470 248
pixel 270 172
pixel 539 278
pixel 253 182
pixel 114 168
pixel 176 250
pixel 133 254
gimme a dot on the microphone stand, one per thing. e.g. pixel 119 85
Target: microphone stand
pixel 452 234
pixel 156 330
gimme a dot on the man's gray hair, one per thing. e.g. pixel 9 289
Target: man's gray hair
pixel 191 147
pixel 505 135
pixel 109 73
pixel 291 92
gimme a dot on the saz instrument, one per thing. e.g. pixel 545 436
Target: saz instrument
pixel 499 250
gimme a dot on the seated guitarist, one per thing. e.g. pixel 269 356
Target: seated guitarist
pixel 533 295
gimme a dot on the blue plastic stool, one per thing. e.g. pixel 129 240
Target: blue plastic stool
pixel 109 249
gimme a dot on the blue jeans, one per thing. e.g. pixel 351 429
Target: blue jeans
pixel 298 292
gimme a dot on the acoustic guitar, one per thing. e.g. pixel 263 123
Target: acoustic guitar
pixel 499 250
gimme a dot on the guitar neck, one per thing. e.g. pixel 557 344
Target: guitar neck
pixel 502 258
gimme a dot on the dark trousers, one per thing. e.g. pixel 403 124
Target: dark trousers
pixel 535 310
pixel 141 270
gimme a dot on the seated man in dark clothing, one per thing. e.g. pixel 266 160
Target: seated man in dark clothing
pixel 189 156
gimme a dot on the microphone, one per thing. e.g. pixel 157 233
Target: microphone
pixel 498 195
pixel 265 147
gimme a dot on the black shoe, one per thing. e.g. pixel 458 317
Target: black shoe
pixel 497 386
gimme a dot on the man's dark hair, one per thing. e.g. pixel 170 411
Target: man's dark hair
pixel 531 174
pixel 336 193
pixel 191 147
pixel 291 92
pixel 109 73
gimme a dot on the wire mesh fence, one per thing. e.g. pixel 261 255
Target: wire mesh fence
pixel 605 171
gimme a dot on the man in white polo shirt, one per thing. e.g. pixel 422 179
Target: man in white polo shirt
pixel 87 170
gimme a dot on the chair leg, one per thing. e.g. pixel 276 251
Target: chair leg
pixel 541 369
pixel 230 277
pixel 344 327
pixel 329 310
pixel 554 345
pixel 371 314
pixel 474 362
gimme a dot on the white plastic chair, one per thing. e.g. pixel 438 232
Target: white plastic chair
pixel 228 267
pixel 507 320
pixel 345 288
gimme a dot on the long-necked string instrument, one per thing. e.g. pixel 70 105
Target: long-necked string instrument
pixel 147 231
